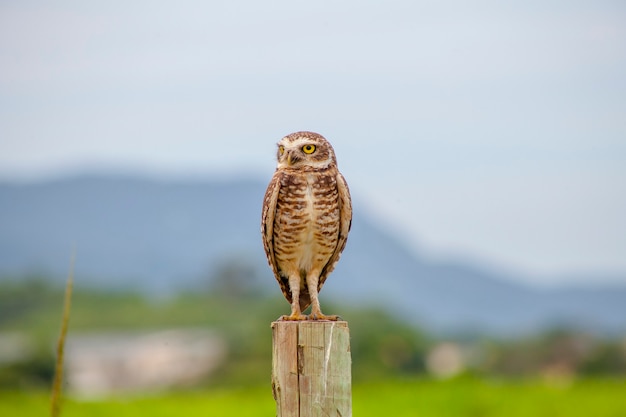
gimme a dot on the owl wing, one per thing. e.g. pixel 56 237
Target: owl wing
pixel 267 230
pixel 345 221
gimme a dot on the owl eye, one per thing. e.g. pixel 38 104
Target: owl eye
pixel 281 149
pixel 308 149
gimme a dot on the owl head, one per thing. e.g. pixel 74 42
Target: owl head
pixel 302 150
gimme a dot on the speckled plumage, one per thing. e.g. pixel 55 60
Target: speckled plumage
pixel 306 218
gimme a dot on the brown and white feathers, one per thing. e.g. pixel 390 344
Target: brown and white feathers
pixel 307 213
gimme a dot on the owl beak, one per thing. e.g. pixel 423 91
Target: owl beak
pixel 291 157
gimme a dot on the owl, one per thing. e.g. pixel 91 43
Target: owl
pixel 307 213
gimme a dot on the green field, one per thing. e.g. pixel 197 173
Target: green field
pixel 388 357
pixel 423 398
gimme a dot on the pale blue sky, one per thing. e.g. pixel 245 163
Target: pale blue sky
pixel 489 131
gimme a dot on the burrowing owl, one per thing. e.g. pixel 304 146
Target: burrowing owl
pixel 306 218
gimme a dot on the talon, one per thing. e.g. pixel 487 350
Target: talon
pixel 322 317
pixel 293 317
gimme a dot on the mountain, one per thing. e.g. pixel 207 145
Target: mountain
pixel 158 236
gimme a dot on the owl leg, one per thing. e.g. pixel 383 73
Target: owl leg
pixel 296 313
pixel 312 281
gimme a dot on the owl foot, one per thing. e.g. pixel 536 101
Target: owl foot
pixel 322 317
pixel 293 317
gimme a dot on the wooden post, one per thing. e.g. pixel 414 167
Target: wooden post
pixel 311 373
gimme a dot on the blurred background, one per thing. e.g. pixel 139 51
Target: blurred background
pixel 485 148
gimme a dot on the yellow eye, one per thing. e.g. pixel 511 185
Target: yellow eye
pixel 281 149
pixel 308 149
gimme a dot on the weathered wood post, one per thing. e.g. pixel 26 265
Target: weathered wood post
pixel 311 373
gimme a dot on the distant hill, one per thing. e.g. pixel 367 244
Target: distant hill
pixel 158 236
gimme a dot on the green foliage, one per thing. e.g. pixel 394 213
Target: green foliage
pixel 559 353
pixel 33 372
pixel 27 304
pixel 608 359
pixel 382 345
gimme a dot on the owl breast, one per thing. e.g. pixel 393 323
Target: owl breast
pixel 306 225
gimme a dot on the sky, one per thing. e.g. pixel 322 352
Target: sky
pixel 493 131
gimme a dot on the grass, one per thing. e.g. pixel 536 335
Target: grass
pixel 471 397
pixel 424 398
